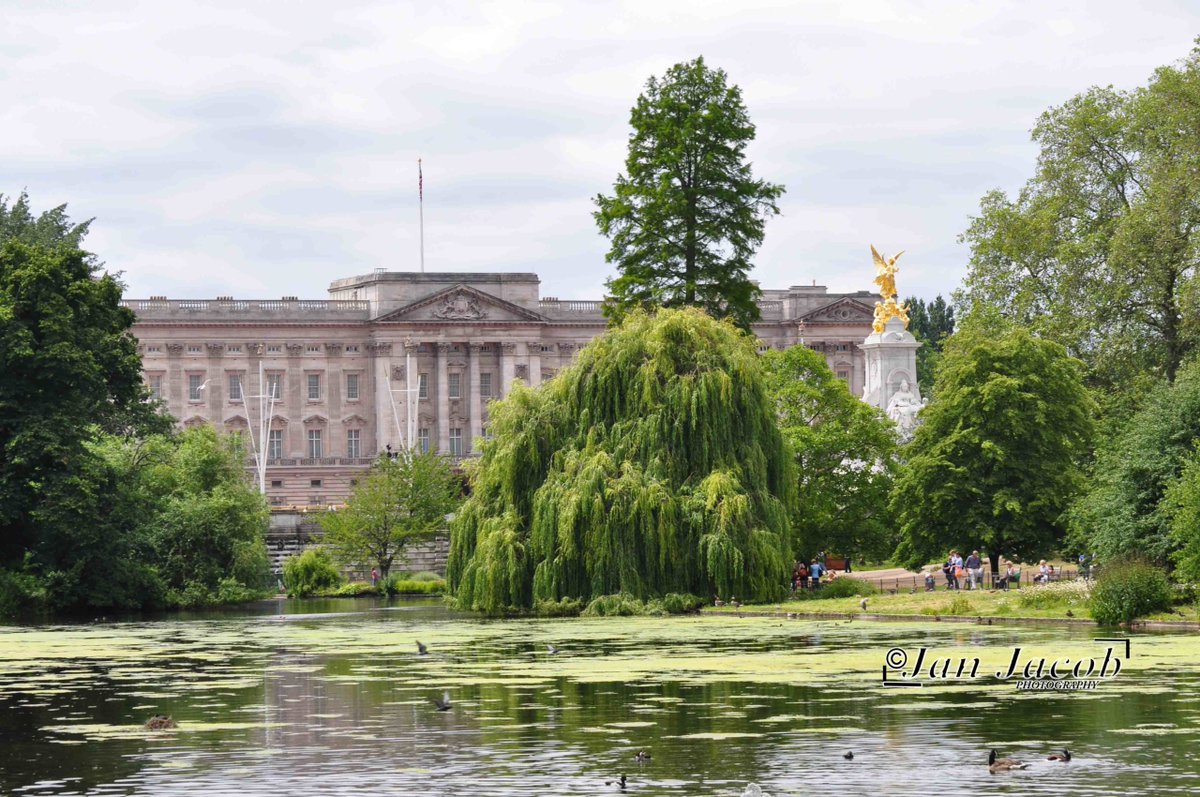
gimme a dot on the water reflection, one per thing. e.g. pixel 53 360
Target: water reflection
pixel 330 698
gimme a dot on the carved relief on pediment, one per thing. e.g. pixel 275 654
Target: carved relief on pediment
pixel 459 306
pixel 843 313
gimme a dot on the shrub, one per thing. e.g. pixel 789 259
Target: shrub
pixel 846 588
pixel 1129 588
pixel 619 605
pixel 960 605
pixel 398 585
pixel 19 591
pixel 311 571
pixel 682 602
pixel 567 607
pixel 353 589
pixel 1055 595
pixel 425 575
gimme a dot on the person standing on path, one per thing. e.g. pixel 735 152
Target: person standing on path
pixel 815 571
pixel 974 567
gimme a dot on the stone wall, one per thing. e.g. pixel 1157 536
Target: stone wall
pixel 291 533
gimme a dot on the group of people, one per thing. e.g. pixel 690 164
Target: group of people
pixel 808 575
pixel 958 571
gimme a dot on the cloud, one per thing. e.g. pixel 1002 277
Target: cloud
pixel 269 149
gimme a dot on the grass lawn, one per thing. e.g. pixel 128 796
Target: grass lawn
pixel 1050 602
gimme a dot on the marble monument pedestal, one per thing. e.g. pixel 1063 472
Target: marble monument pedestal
pixel 891 361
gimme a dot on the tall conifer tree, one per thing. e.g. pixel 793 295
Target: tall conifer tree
pixel 688 216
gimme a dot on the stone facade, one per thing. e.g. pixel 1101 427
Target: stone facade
pixel 338 373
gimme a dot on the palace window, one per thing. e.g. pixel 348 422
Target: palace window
pixel 456 441
pixel 233 349
pixel 485 385
pixel 194 349
pixel 352 387
pixel 353 446
pixel 423 440
pixel 274 349
pixel 195 387
pixel 423 386
pixel 153 349
pixel 277 483
pixel 314 349
pixel 156 385
pixel 275 386
pixel 314 387
pixel 235 387
pixel 844 375
pixel 352 349
pixel 314 443
pixel 275 444
pixel 314 482
pixel 454 385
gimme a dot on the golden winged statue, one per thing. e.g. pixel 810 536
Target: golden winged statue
pixel 885 278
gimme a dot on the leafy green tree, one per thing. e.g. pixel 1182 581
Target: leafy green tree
pixel 1099 250
pixel 400 501
pixel 1123 511
pixel 652 465
pixel 845 457
pixel 995 462
pixel 211 522
pixel 689 215
pixel 68 369
pixel 1181 505
pixel 50 229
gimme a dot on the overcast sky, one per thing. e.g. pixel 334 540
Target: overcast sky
pixel 268 150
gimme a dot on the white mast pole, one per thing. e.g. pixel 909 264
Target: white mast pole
pixel 421 210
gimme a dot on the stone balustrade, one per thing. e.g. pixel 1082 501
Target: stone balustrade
pixel 307 310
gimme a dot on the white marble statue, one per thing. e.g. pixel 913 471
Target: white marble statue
pixel 903 409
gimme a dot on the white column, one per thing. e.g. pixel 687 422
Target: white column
pixel 507 367
pixel 475 403
pixel 534 347
pixel 381 382
pixel 409 403
pixel 443 398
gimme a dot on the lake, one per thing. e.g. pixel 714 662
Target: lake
pixel 331 697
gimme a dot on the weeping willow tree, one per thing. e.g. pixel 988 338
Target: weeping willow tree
pixel 652 465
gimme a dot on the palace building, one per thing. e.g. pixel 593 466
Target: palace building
pixel 338 377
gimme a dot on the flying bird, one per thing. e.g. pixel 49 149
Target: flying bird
pixel 443 702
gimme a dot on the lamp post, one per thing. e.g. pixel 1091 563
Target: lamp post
pixel 266 411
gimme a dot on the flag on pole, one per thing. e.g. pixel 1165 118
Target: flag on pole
pixel 420 182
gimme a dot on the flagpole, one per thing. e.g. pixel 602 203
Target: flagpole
pixel 421 206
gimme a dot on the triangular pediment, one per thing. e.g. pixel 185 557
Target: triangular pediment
pixel 461 304
pixel 841 311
